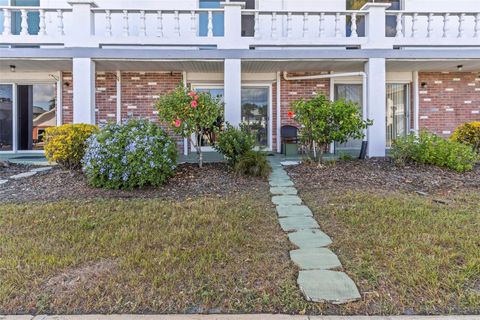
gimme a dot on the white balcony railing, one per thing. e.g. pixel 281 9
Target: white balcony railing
pixel 85 25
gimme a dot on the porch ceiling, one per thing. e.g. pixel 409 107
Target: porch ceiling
pixel 258 66
pixel 36 65
pixel 472 65
pixel 165 65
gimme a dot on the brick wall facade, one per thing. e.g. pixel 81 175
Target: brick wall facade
pixel 67 98
pixel 105 97
pixel 448 100
pixel 291 91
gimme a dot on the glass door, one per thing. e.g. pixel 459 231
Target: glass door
pixel 208 139
pixel 255 104
pixel 353 93
pixel 6 117
pixel 397 113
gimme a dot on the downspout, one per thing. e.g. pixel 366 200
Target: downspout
pixel 362 74
pixel 185 140
pixel 279 118
pixel 119 96
pixel 416 103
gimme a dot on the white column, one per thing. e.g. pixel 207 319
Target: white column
pixel 60 99
pixel 83 90
pixel 377 95
pixel 233 26
pixel 82 24
pixel 375 26
pixel 233 91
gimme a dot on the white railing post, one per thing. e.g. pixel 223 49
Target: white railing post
pixel 375 26
pixel 7 23
pixel 232 26
pixel 83 24
pixel 24 23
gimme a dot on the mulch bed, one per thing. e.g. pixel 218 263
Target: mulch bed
pixel 382 175
pixel 215 180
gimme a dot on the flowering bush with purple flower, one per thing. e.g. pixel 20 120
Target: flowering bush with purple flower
pixel 129 155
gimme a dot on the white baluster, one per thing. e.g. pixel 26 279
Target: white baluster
pixel 477 26
pixel 353 26
pixel 257 25
pixel 159 24
pixel 289 25
pixel 321 28
pixel 24 24
pixel 430 25
pixel 193 23
pixel 7 23
pixel 461 29
pixel 274 25
pixel 414 24
pixel 399 27
pixel 305 24
pixel 210 24
pixel 43 25
pixel 108 23
pixel 338 32
pixel 143 24
pixel 446 19
pixel 177 23
pixel 126 27
pixel 60 29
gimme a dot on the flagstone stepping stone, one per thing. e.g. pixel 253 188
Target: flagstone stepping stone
pixel 281 183
pixel 315 259
pixel 3 181
pixel 294 211
pixel 23 175
pixel 327 286
pixel 286 200
pixel 279 175
pixel 312 238
pixel 42 169
pixel 290 163
pixel 298 223
pixel 283 191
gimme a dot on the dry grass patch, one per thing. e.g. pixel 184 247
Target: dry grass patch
pixel 119 256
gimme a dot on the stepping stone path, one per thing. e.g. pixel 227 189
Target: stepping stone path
pixel 316 279
pixel 26 174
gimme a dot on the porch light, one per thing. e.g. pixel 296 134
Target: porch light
pixel 12 68
pixel 460 67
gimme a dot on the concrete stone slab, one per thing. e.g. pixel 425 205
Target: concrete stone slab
pixel 294 211
pixel 309 239
pixel 290 163
pixel 42 169
pixel 286 200
pixel 281 183
pixel 298 223
pixel 315 259
pixel 327 286
pixel 279 175
pixel 23 175
pixel 3 182
pixel 283 191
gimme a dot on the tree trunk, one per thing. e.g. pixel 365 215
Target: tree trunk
pixel 198 149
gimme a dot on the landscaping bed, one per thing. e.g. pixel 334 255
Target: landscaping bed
pixel 408 236
pixel 214 179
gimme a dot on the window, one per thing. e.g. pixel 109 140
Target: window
pixel 391 21
pixel 33 17
pixel 209 138
pixel 218 18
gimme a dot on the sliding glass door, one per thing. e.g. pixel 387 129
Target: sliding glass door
pixel 353 93
pixel 397 113
pixel 255 105
pixel 6 117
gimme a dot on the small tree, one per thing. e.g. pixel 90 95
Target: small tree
pixel 189 113
pixel 323 122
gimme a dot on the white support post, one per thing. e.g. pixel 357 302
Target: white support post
pixel 83 24
pixel 232 91
pixel 119 97
pixel 83 90
pixel 416 103
pixel 59 102
pixel 233 26
pixel 377 95
pixel 375 26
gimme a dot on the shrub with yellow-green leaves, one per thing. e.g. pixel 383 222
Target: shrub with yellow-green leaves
pixel 468 133
pixel 66 144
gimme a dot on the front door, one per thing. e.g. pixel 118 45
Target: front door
pixel 353 93
pixel 397 113
pixel 255 113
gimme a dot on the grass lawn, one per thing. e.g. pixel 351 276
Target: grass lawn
pixel 407 253
pixel 202 255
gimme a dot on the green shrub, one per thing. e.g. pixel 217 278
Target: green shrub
pixel 66 145
pixel 125 156
pixel 434 150
pixel 234 142
pixel 253 163
pixel 468 133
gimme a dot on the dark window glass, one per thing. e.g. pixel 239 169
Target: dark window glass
pixel 391 21
pixel 33 17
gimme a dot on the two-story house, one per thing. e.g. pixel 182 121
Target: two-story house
pixel 410 64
